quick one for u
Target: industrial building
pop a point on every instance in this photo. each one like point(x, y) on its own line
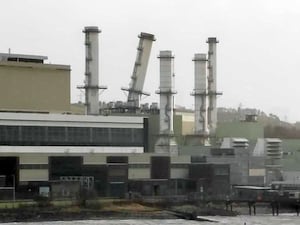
point(122, 147)
point(38, 150)
point(28, 84)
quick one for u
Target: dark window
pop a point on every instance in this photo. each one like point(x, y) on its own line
point(70, 136)
point(64, 166)
point(138, 136)
point(79, 135)
point(56, 135)
point(9, 134)
point(33, 135)
point(100, 136)
point(160, 167)
point(121, 136)
point(117, 159)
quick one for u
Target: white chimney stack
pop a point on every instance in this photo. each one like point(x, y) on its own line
point(200, 93)
point(166, 142)
point(136, 85)
point(212, 84)
point(92, 70)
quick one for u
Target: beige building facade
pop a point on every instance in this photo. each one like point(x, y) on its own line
point(27, 84)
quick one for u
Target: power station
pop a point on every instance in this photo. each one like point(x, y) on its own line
point(119, 147)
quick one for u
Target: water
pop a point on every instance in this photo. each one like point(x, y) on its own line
point(283, 219)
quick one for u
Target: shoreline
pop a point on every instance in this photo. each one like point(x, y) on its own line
point(109, 211)
point(119, 210)
point(39, 216)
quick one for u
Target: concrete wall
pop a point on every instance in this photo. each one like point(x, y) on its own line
point(139, 173)
point(182, 159)
point(248, 130)
point(33, 175)
point(34, 87)
point(188, 121)
point(94, 159)
point(33, 159)
point(291, 154)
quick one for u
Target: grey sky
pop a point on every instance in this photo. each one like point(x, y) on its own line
point(258, 53)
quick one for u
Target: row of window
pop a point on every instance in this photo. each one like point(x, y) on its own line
point(70, 136)
point(45, 166)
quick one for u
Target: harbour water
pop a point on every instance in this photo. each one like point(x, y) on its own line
point(283, 219)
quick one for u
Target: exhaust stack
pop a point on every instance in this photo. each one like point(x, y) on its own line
point(212, 84)
point(136, 85)
point(166, 142)
point(200, 93)
point(91, 70)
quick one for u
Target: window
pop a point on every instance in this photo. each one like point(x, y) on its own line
point(9, 134)
point(100, 136)
point(121, 136)
point(56, 135)
point(70, 136)
point(33, 135)
point(138, 136)
point(79, 135)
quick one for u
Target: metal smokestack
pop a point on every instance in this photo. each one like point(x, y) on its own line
point(200, 93)
point(212, 84)
point(166, 142)
point(92, 70)
point(136, 85)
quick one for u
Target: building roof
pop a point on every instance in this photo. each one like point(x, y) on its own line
point(5, 56)
point(42, 119)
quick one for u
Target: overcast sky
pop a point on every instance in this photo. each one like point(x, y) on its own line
point(257, 56)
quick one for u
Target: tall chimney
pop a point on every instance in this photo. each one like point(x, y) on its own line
point(212, 84)
point(92, 70)
point(200, 93)
point(140, 68)
point(166, 142)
